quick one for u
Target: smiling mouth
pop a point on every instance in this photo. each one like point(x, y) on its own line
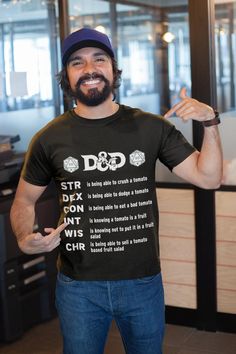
point(91, 82)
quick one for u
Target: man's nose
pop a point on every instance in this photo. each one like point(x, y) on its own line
point(89, 67)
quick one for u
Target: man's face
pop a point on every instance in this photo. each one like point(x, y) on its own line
point(90, 75)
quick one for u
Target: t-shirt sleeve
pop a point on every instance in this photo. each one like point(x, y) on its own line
point(36, 169)
point(175, 148)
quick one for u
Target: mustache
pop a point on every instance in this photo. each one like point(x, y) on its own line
point(92, 76)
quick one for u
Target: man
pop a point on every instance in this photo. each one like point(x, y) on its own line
point(102, 157)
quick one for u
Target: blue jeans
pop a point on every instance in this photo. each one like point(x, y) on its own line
point(86, 309)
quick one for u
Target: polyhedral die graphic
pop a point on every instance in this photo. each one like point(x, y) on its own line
point(137, 158)
point(71, 164)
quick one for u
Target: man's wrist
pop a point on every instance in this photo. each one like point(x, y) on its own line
point(213, 121)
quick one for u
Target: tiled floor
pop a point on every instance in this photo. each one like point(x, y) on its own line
point(45, 339)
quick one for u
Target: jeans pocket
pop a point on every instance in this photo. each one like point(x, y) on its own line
point(148, 279)
point(64, 278)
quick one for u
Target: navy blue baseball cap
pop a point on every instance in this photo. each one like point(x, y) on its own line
point(85, 37)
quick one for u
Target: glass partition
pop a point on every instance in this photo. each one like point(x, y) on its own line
point(137, 45)
point(225, 34)
point(176, 51)
point(29, 94)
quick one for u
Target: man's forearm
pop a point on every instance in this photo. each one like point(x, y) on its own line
point(210, 160)
point(22, 219)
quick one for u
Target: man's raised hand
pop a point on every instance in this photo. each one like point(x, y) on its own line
point(189, 108)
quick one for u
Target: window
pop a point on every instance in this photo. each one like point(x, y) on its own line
point(29, 94)
point(225, 39)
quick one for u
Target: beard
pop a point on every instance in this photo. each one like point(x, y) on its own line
point(93, 97)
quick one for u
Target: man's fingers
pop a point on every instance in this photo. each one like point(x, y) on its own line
point(37, 236)
point(183, 93)
point(174, 109)
point(59, 229)
point(38, 243)
point(48, 229)
point(169, 113)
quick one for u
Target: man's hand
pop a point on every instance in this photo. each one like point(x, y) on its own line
point(37, 243)
point(189, 108)
point(204, 168)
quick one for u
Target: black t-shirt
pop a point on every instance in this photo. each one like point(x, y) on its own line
point(104, 170)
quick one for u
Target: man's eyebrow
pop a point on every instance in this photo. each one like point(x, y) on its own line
point(96, 54)
point(77, 57)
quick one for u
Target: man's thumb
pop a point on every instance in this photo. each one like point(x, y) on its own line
point(183, 93)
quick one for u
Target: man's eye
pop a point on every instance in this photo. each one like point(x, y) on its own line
point(76, 62)
point(100, 59)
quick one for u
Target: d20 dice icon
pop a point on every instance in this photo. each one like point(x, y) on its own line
point(71, 164)
point(137, 158)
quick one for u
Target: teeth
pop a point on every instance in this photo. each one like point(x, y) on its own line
point(91, 82)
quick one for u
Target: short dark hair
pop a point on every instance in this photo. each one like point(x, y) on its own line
point(64, 83)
